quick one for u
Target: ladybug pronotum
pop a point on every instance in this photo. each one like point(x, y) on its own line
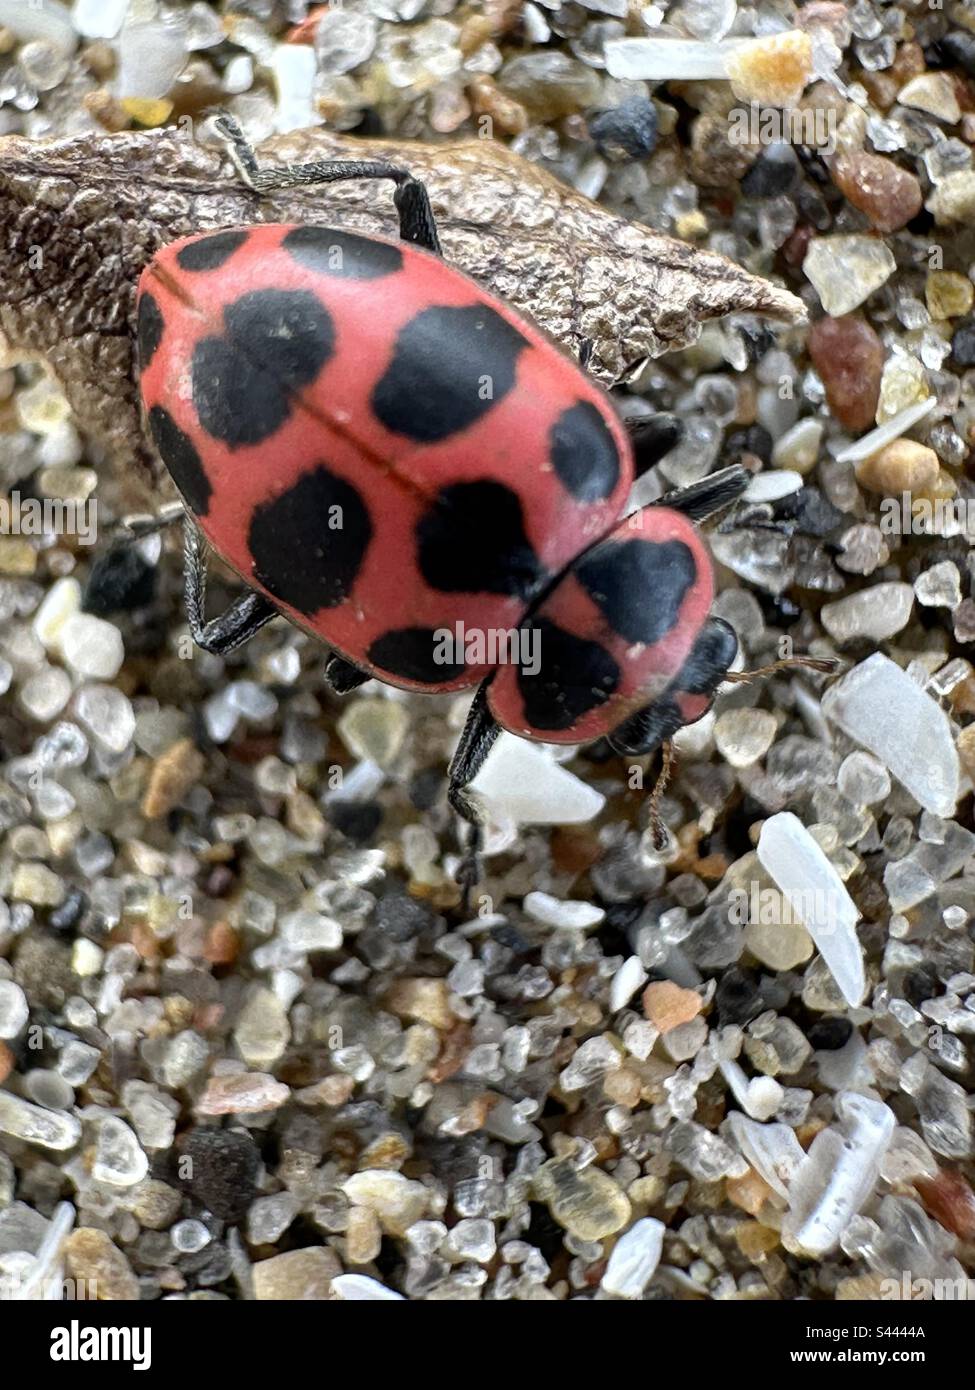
point(384, 452)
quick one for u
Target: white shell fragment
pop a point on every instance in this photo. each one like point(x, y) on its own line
point(525, 784)
point(885, 711)
point(657, 60)
point(558, 912)
point(837, 1175)
point(773, 1150)
point(361, 1288)
point(627, 980)
point(886, 433)
point(817, 897)
point(634, 1259)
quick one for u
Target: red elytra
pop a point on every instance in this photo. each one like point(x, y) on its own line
point(519, 537)
point(647, 663)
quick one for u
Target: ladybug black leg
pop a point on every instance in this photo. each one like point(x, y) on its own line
point(246, 615)
point(702, 499)
point(416, 220)
point(652, 438)
point(476, 742)
point(342, 676)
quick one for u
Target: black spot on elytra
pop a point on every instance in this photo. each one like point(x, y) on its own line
point(472, 540)
point(584, 453)
point(180, 457)
point(309, 543)
point(209, 252)
point(150, 329)
point(352, 257)
point(276, 342)
point(638, 585)
point(574, 676)
point(411, 652)
point(449, 367)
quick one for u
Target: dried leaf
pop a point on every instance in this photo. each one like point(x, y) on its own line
point(82, 216)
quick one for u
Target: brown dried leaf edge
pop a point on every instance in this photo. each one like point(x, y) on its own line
point(82, 216)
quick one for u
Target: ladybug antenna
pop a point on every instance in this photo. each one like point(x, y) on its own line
point(827, 665)
point(658, 830)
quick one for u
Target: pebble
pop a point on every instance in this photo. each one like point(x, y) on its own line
point(344, 39)
point(933, 92)
point(171, 777)
point(939, 586)
point(953, 200)
point(772, 71)
point(44, 694)
point(585, 1201)
point(627, 131)
point(48, 1129)
point(549, 84)
point(817, 897)
point(903, 466)
point(876, 613)
point(244, 1093)
point(948, 295)
point(151, 55)
point(846, 269)
point(92, 647)
point(119, 1158)
point(777, 939)
point(667, 1005)
point(374, 730)
point(37, 884)
point(220, 1170)
point(61, 602)
point(92, 1258)
point(119, 580)
point(883, 709)
point(743, 736)
point(262, 1031)
point(889, 195)
point(107, 714)
point(775, 172)
point(963, 344)
point(397, 1201)
point(798, 449)
point(296, 1276)
point(422, 1001)
point(634, 1260)
point(862, 779)
point(849, 357)
point(14, 1009)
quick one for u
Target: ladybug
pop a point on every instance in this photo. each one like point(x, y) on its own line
point(387, 454)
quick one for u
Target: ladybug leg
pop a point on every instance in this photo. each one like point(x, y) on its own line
point(476, 742)
point(416, 220)
point(652, 438)
point(688, 697)
point(702, 499)
point(342, 676)
point(246, 615)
